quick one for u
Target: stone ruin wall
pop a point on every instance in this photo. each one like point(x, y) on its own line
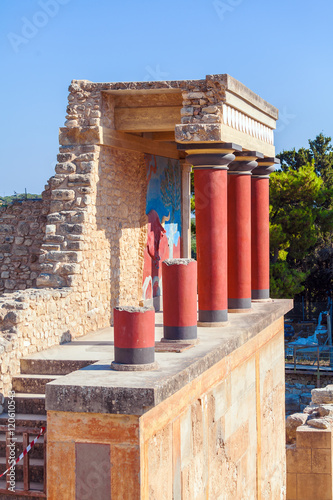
point(22, 229)
point(91, 242)
point(309, 449)
point(86, 262)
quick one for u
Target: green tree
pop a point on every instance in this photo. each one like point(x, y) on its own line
point(301, 220)
point(320, 151)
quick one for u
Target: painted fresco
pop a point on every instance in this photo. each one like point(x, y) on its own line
point(163, 208)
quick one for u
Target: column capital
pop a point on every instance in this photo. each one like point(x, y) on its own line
point(210, 155)
point(244, 162)
point(265, 167)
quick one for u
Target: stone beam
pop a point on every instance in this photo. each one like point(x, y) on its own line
point(147, 119)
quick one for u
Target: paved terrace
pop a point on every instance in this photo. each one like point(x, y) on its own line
point(97, 388)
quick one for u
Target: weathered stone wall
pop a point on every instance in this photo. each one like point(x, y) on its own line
point(22, 229)
point(121, 217)
point(309, 450)
point(89, 236)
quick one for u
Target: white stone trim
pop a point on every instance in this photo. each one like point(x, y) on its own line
point(244, 123)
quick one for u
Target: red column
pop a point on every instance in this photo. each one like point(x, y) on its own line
point(134, 338)
point(239, 231)
point(260, 227)
point(179, 277)
point(210, 163)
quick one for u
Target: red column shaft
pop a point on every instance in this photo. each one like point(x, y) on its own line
point(239, 241)
point(134, 335)
point(260, 237)
point(210, 186)
point(179, 299)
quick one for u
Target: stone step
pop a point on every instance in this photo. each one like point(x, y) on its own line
point(36, 487)
point(28, 403)
point(36, 452)
point(32, 383)
point(28, 420)
point(36, 366)
point(36, 469)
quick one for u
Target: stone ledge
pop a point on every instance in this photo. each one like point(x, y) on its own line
point(98, 389)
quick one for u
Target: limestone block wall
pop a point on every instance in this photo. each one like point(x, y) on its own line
point(22, 229)
point(90, 240)
point(309, 450)
point(309, 465)
point(121, 217)
point(220, 436)
point(33, 320)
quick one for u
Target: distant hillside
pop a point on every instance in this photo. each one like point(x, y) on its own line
point(7, 200)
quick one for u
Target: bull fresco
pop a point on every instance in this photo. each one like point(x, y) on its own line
point(163, 208)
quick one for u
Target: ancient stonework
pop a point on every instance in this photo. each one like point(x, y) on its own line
point(22, 229)
point(85, 245)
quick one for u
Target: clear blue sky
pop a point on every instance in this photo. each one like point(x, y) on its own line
point(282, 50)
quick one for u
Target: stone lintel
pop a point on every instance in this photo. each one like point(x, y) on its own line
point(78, 135)
point(97, 389)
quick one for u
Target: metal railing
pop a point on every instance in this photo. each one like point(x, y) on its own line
point(310, 359)
point(26, 491)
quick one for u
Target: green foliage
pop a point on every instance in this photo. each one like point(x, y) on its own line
point(193, 239)
point(298, 212)
point(7, 200)
point(301, 221)
point(320, 152)
point(285, 281)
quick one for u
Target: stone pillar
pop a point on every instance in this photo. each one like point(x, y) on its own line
point(260, 227)
point(210, 163)
point(134, 338)
point(180, 300)
point(185, 250)
point(239, 230)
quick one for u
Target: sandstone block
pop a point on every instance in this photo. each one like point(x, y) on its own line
point(79, 179)
point(187, 111)
point(65, 157)
point(57, 180)
point(322, 396)
point(292, 422)
point(193, 95)
point(78, 217)
point(72, 228)
point(55, 217)
point(50, 229)
point(63, 194)
point(325, 410)
point(50, 280)
point(54, 238)
point(65, 168)
point(210, 109)
point(55, 256)
point(78, 135)
point(321, 423)
point(70, 269)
